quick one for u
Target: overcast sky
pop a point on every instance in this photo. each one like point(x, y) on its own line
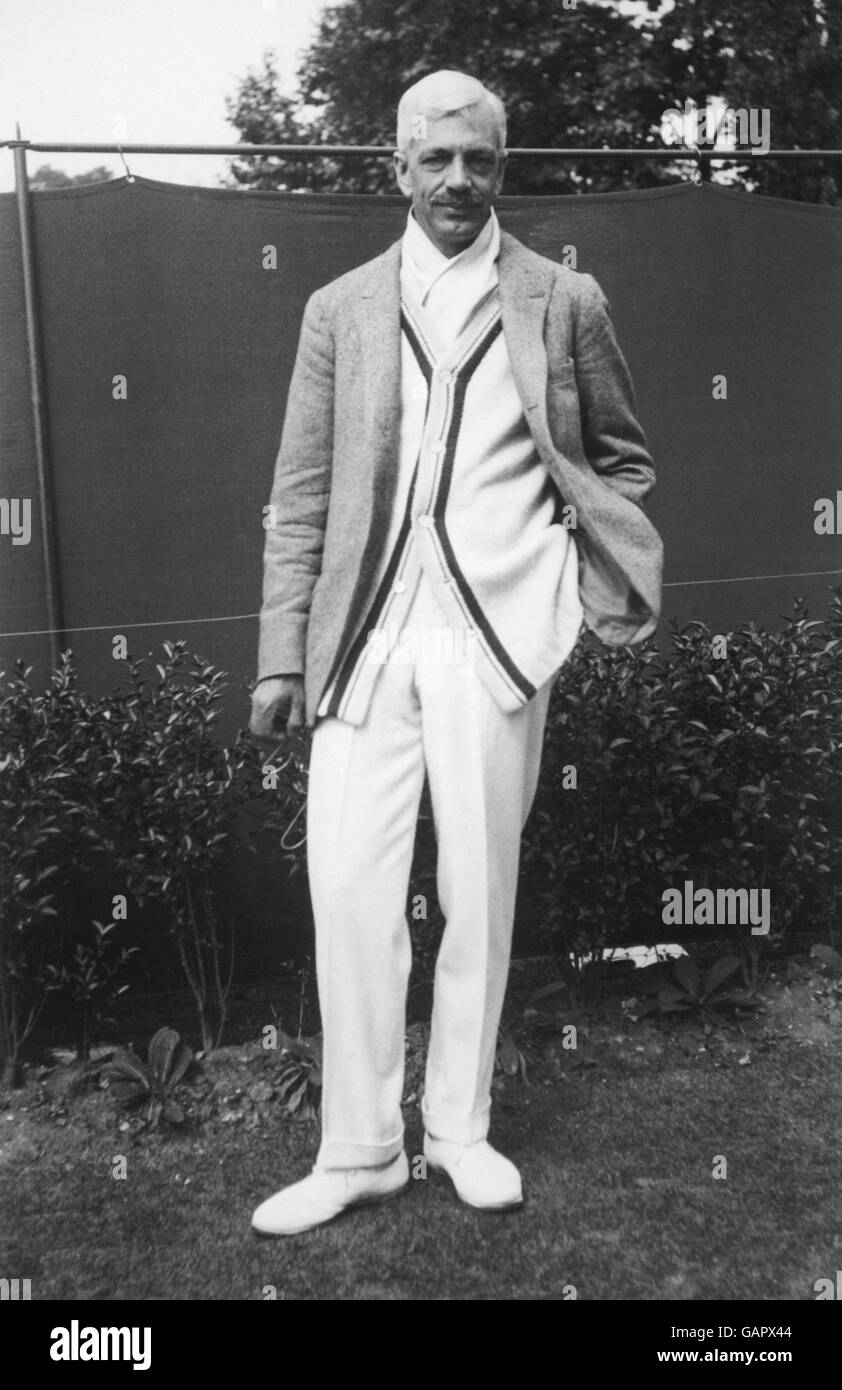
point(69, 69)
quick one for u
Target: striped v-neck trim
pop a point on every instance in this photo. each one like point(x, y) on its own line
point(447, 379)
point(461, 365)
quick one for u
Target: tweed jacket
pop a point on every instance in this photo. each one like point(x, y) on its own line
point(336, 468)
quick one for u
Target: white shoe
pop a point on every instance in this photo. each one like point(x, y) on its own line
point(325, 1193)
point(482, 1177)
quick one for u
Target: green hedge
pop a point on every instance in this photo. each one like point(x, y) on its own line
point(717, 761)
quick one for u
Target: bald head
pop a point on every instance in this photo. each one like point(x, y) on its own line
point(446, 93)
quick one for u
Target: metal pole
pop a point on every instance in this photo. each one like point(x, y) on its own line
point(656, 153)
point(36, 392)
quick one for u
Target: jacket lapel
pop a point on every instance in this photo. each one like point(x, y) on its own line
point(524, 296)
point(377, 316)
point(377, 319)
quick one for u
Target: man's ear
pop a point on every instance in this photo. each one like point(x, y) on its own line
point(501, 173)
point(400, 163)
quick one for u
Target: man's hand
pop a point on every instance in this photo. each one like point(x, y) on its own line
point(277, 708)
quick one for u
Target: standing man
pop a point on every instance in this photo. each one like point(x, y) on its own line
point(459, 486)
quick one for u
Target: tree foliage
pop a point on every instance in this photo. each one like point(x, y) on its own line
point(759, 53)
point(572, 74)
point(46, 176)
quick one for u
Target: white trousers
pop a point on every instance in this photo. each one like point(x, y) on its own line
point(365, 787)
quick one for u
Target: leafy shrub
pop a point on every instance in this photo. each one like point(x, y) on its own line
point(299, 1083)
point(722, 771)
point(43, 828)
point(519, 1032)
point(134, 784)
point(707, 995)
point(154, 1083)
point(89, 979)
point(168, 793)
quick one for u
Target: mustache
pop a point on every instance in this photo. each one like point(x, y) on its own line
point(457, 202)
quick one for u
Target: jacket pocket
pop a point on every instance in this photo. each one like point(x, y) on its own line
point(563, 415)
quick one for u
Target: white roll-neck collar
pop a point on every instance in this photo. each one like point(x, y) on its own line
point(428, 264)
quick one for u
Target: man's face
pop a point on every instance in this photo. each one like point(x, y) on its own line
point(452, 174)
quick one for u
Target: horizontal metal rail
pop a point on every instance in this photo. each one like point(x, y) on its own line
point(668, 153)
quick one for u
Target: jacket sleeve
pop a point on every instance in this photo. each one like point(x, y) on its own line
point(615, 444)
point(295, 526)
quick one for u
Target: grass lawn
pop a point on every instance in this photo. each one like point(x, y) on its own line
point(616, 1142)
